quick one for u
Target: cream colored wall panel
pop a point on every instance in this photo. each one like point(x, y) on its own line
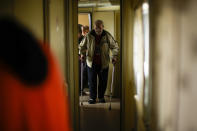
point(165, 40)
point(30, 13)
point(188, 67)
point(173, 38)
point(57, 31)
point(107, 18)
point(83, 19)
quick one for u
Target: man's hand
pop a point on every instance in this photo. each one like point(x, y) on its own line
point(82, 58)
point(114, 61)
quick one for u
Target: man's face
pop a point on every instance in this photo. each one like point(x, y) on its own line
point(98, 28)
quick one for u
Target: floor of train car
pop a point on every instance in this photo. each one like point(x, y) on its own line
point(98, 117)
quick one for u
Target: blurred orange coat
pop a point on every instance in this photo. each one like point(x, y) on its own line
point(34, 107)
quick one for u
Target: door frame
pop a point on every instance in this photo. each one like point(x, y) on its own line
point(71, 43)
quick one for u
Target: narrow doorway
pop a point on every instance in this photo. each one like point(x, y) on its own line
point(100, 116)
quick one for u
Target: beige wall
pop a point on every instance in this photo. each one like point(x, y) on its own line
point(57, 31)
point(173, 38)
point(63, 41)
point(165, 46)
point(29, 12)
point(107, 18)
point(187, 113)
point(83, 19)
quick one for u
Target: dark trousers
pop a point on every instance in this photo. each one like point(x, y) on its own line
point(92, 81)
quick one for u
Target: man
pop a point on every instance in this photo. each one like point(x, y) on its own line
point(95, 47)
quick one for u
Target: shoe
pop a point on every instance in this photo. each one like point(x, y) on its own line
point(102, 100)
point(91, 101)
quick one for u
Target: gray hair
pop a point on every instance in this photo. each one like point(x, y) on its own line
point(99, 22)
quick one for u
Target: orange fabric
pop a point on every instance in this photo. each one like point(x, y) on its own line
point(44, 107)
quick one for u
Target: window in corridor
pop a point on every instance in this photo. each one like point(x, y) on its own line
point(145, 11)
point(138, 53)
point(141, 57)
point(141, 52)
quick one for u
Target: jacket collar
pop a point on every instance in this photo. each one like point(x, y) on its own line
point(92, 32)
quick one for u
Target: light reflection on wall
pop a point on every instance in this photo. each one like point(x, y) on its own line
point(138, 53)
point(145, 11)
point(147, 75)
point(141, 57)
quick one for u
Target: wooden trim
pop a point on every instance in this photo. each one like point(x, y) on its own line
point(46, 20)
point(71, 20)
point(122, 103)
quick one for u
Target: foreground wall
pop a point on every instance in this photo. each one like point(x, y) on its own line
point(173, 38)
point(28, 12)
point(128, 88)
point(53, 21)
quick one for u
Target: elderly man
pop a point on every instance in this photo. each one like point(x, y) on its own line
point(95, 47)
